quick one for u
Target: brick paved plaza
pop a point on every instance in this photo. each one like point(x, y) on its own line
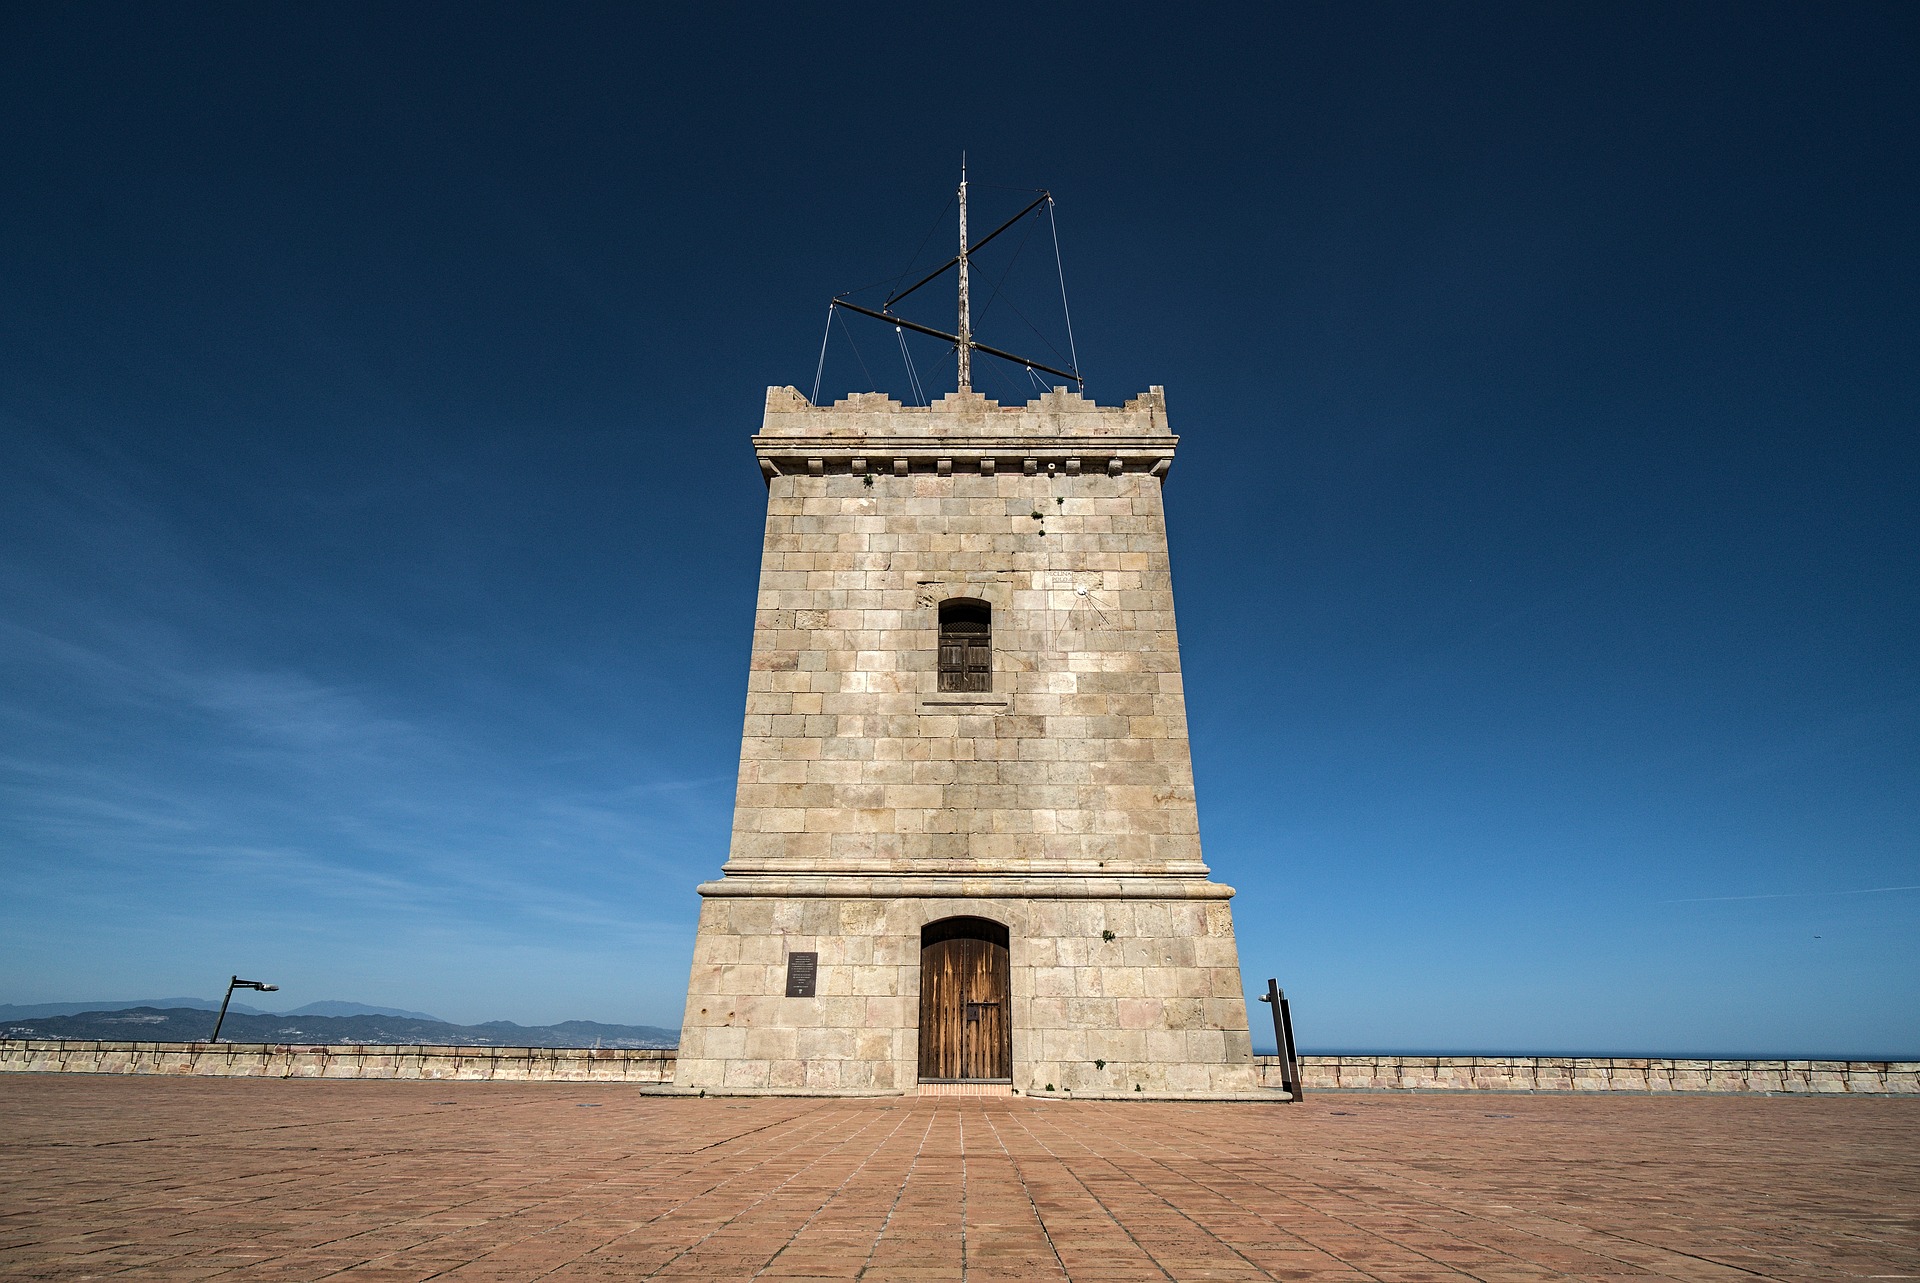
point(271, 1179)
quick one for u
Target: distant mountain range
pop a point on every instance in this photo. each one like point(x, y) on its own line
point(333, 1008)
point(329, 1008)
point(153, 1023)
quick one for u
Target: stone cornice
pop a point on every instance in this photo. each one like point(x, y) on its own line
point(1059, 432)
point(996, 887)
point(879, 456)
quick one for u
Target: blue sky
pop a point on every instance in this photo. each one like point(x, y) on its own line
point(378, 528)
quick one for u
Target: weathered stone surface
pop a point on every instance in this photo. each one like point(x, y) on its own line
point(270, 1060)
point(1104, 1006)
point(652, 1066)
point(1059, 803)
point(1598, 1074)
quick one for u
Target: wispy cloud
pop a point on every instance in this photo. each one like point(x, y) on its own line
point(1788, 895)
point(161, 761)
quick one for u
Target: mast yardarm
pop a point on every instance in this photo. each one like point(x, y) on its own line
point(964, 344)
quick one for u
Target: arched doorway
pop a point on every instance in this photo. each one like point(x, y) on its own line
point(966, 1033)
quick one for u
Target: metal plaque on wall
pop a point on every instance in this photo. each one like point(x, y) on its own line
point(802, 968)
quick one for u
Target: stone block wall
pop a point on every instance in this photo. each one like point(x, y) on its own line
point(1597, 1074)
point(280, 1060)
point(852, 759)
point(1059, 802)
point(1160, 1003)
point(650, 1067)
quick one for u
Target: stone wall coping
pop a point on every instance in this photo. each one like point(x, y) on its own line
point(996, 886)
point(1616, 1062)
point(668, 1053)
point(341, 1049)
point(413, 1062)
point(1653, 1075)
point(650, 1068)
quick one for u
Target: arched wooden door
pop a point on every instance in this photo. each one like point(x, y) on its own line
point(966, 1033)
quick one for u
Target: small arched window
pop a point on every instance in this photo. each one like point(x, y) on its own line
point(966, 645)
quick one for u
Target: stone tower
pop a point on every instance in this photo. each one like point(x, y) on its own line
point(965, 852)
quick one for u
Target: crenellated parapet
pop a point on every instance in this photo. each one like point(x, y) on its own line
point(870, 433)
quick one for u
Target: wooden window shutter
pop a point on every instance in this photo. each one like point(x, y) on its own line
point(966, 645)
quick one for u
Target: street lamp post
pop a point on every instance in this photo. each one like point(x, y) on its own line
point(236, 983)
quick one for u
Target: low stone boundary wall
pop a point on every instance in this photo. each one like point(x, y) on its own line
point(269, 1060)
point(1595, 1074)
point(1323, 1073)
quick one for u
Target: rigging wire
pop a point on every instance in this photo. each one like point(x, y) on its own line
point(941, 218)
point(913, 377)
point(894, 282)
point(1008, 271)
point(919, 387)
point(1073, 360)
point(871, 381)
point(821, 367)
point(1061, 269)
point(1015, 392)
point(1037, 334)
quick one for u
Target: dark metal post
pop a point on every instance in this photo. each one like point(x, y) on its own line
point(1283, 1039)
point(1294, 1082)
point(237, 983)
point(223, 1009)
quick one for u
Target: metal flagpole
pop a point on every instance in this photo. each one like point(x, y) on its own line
point(966, 321)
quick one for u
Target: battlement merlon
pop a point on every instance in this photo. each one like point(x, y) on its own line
point(869, 432)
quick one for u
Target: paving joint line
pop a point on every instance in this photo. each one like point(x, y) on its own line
point(828, 1200)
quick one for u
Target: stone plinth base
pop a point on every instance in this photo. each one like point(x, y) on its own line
point(966, 1089)
point(1116, 984)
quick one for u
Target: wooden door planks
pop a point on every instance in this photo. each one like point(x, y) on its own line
point(965, 1033)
